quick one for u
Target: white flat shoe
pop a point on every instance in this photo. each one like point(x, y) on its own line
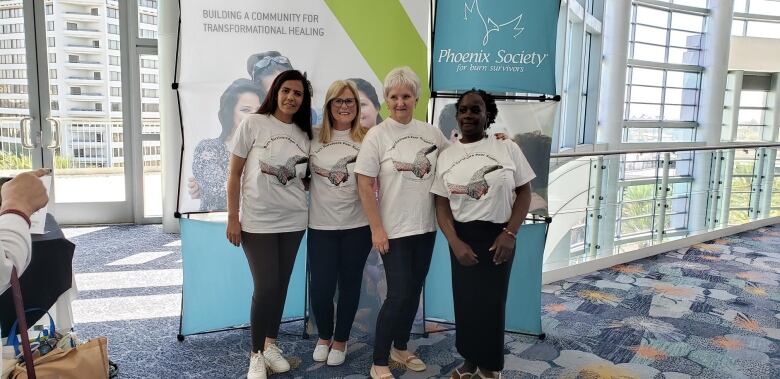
point(320, 353)
point(478, 374)
point(336, 357)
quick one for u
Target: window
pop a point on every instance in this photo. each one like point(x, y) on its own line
point(112, 13)
point(75, 90)
point(116, 91)
point(71, 26)
point(116, 107)
point(52, 73)
point(99, 107)
point(148, 63)
point(147, 19)
point(146, 33)
point(148, 78)
point(149, 92)
point(12, 44)
point(53, 90)
point(52, 58)
point(55, 105)
point(73, 59)
point(113, 44)
point(115, 76)
point(49, 8)
point(148, 3)
point(13, 88)
point(113, 60)
point(664, 76)
point(150, 107)
point(113, 29)
point(13, 74)
point(50, 41)
point(12, 28)
point(96, 75)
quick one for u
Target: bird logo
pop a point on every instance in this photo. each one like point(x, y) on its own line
point(338, 174)
point(477, 186)
point(421, 165)
point(490, 25)
point(284, 173)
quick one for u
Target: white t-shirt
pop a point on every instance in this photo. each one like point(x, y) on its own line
point(273, 199)
point(480, 178)
point(403, 156)
point(335, 204)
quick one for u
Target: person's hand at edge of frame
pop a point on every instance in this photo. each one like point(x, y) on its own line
point(234, 231)
point(464, 254)
point(25, 192)
point(379, 241)
point(503, 248)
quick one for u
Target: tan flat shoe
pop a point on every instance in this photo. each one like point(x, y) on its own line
point(375, 375)
point(458, 375)
point(412, 362)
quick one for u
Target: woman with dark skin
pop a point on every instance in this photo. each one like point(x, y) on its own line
point(482, 190)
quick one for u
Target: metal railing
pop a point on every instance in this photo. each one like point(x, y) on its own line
point(610, 202)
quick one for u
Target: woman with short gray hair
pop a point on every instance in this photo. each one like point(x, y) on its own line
point(401, 152)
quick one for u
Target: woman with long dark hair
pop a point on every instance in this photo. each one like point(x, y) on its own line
point(267, 168)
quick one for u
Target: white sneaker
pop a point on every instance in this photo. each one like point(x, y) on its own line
point(256, 367)
point(320, 353)
point(274, 359)
point(336, 357)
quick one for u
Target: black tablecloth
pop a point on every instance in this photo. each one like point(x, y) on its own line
point(48, 276)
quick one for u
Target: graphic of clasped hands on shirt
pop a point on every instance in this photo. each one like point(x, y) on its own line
point(415, 157)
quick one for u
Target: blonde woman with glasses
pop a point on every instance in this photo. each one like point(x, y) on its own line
point(339, 238)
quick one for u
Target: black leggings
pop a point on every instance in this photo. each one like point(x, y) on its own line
point(406, 265)
point(479, 294)
point(336, 257)
point(271, 257)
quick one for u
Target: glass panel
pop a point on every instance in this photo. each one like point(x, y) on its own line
point(749, 133)
point(14, 94)
point(644, 112)
point(150, 98)
point(740, 6)
point(647, 76)
point(752, 99)
point(681, 96)
point(679, 113)
point(650, 34)
point(646, 94)
point(650, 16)
point(642, 135)
point(763, 29)
point(683, 56)
point(685, 21)
point(765, 7)
point(684, 39)
point(152, 179)
point(676, 135)
point(89, 162)
point(692, 3)
point(738, 28)
point(682, 79)
point(649, 52)
point(751, 117)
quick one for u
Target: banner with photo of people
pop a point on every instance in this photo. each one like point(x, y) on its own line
point(501, 45)
point(231, 51)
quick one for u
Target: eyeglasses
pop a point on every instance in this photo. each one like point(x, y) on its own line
point(348, 102)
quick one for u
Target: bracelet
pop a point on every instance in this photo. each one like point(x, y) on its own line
point(18, 213)
point(514, 236)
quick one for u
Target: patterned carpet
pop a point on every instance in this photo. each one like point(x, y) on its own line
point(709, 311)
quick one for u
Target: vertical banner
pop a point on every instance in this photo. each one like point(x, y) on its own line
point(231, 51)
point(496, 45)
